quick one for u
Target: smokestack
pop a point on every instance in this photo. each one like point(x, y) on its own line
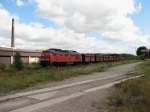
point(12, 34)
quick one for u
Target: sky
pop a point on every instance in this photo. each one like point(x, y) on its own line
point(88, 26)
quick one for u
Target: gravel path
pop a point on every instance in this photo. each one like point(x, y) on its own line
point(79, 94)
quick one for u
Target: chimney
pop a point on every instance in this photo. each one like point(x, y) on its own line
point(12, 34)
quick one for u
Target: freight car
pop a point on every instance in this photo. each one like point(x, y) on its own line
point(61, 57)
point(106, 58)
point(88, 58)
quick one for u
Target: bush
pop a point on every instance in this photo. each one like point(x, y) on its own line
point(18, 62)
point(141, 57)
point(2, 66)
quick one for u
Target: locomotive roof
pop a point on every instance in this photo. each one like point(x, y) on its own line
point(53, 50)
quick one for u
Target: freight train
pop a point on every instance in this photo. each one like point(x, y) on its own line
point(62, 57)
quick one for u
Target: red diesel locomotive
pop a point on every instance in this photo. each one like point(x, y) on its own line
point(58, 56)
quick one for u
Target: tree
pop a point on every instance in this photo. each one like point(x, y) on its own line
point(17, 61)
point(140, 51)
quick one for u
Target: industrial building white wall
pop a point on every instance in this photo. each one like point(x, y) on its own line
point(33, 59)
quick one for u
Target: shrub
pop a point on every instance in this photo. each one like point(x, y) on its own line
point(2, 66)
point(141, 57)
point(18, 62)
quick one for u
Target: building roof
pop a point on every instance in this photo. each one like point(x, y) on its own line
point(24, 52)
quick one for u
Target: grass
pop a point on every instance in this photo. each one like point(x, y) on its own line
point(11, 79)
point(132, 95)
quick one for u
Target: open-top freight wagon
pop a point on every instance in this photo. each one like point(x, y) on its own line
point(62, 57)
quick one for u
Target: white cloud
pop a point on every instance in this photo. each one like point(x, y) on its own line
point(89, 15)
point(37, 36)
point(139, 7)
point(102, 16)
point(21, 2)
point(110, 19)
point(49, 38)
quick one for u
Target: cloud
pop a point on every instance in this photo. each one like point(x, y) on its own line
point(103, 16)
point(110, 19)
point(50, 38)
point(37, 36)
point(21, 2)
point(89, 15)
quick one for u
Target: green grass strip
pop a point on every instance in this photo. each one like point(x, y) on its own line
point(31, 75)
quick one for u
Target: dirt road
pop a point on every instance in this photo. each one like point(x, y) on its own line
point(80, 94)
